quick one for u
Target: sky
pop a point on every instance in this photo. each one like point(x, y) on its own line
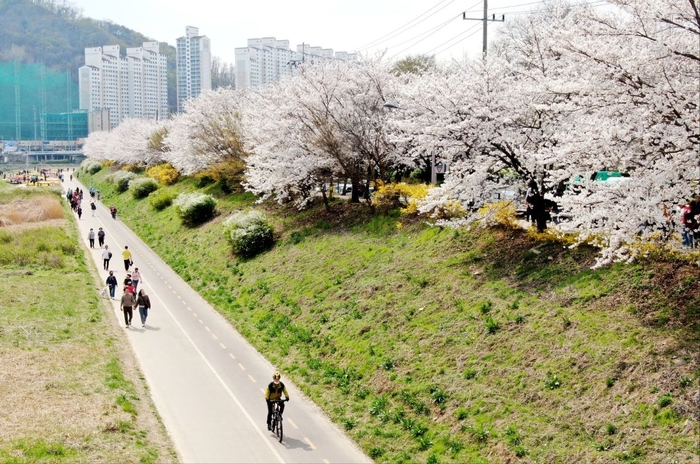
point(396, 27)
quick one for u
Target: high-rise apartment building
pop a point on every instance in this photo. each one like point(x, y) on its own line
point(193, 66)
point(135, 86)
point(266, 60)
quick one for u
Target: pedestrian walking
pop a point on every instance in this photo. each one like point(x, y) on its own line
point(144, 304)
point(136, 278)
point(126, 254)
point(129, 285)
point(93, 208)
point(91, 238)
point(127, 307)
point(111, 284)
point(106, 256)
point(79, 210)
point(101, 237)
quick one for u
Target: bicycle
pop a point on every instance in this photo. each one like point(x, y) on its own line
point(276, 420)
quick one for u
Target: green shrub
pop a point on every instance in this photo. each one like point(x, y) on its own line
point(665, 400)
point(121, 180)
point(204, 180)
point(491, 325)
point(249, 233)
point(160, 200)
point(141, 188)
point(551, 382)
point(90, 166)
point(195, 208)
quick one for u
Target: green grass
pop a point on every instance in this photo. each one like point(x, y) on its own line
point(436, 346)
point(64, 373)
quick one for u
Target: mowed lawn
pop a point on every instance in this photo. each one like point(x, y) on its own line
point(70, 390)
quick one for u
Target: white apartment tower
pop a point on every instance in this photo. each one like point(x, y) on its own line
point(193, 66)
point(267, 59)
point(135, 86)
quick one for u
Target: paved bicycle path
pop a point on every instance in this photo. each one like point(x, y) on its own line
point(205, 379)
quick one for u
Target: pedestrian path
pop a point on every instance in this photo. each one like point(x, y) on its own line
point(205, 379)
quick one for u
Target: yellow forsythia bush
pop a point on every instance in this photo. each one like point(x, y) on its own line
point(164, 174)
point(449, 210)
point(501, 213)
point(399, 195)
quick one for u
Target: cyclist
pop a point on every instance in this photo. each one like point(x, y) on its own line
point(274, 392)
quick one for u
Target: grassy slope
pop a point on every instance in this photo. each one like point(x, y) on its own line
point(390, 332)
point(68, 388)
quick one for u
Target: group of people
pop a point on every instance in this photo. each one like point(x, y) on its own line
point(75, 197)
point(690, 222)
point(130, 298)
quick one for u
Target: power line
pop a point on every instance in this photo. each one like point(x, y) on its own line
point(441, 26)
point(396, 32)
point(453, 38)
point(435, 29)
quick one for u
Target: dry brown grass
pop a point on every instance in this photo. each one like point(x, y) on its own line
point(29, 210)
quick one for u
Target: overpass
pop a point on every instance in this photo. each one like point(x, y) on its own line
point(39, 157)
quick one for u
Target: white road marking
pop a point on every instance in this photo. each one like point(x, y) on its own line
point(251, 378)
point(222, 345)
point(241, 366)
point(201, 321)
point(313, 447)
point(232, 356)
point(208, 329)
point(215, 337)
point(293, 424)
point(223, 384)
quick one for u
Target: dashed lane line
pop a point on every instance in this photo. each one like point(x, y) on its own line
point(293, 424)
point(232, 356)
point(313, 447)
point(222, 346)
point(241, 366)
point(201, 321)
point(221, 380)
point(208, 329)
point(252, 379)
point(215, 337)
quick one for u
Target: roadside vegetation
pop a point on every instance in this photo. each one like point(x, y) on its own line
point(443, 345)
point(69, 387)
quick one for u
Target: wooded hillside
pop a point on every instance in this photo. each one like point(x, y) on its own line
point(56, 33)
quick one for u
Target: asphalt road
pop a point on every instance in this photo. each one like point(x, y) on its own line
point(205, 379)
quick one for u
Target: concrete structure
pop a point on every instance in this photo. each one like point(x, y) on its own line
point(193, 66)
point(265, 60)
point(135, 86)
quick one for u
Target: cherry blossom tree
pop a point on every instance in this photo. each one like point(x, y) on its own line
point(207, 133)
point(128, 143)
point(326, 122)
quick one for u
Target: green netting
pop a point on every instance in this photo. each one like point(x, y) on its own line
point(41, 92)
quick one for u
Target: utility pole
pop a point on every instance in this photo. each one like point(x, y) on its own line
point(485, 20)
